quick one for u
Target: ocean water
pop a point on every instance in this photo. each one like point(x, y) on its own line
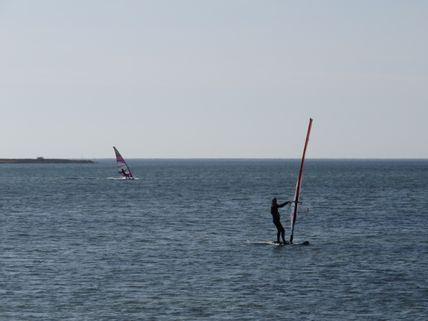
point(185, 241)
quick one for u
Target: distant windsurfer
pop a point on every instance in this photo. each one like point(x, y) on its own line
point(124, 173)
point(277, 219)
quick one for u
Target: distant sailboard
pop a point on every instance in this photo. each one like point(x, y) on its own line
point(123, 167)
point(273, 243)
point(295, 206)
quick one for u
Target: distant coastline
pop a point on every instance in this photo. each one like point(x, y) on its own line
point(42, 160)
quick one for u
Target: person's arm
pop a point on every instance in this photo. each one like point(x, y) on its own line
point(285, 203)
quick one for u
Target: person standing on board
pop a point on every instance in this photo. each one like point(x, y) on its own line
point(277, 219)
point(124, 173)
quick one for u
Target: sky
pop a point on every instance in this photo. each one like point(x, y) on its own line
point(213, 78)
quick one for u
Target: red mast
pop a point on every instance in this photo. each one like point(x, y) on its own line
point(299, 183)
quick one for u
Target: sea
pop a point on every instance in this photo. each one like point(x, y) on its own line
point(192, 240)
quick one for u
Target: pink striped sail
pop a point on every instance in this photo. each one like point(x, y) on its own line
point(299, 184)
point(123, 168)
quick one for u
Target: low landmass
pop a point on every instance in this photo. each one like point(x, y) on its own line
point(42, 160)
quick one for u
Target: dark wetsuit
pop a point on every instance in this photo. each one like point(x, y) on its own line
point(277, 219)
point(124, 173)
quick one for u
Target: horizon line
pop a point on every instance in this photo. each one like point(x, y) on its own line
point(222, 158)
point(263, 158)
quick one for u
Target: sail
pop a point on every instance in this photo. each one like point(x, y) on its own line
point(122, 166)
point(295, 206)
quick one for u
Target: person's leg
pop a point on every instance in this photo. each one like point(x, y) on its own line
point(278, 228)
point(282, 230)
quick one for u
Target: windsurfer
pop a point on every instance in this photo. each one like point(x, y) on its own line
point(123, 168)
point(277, 219)
point(124, 173)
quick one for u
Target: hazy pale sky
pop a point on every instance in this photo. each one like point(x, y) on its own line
point(213, 78)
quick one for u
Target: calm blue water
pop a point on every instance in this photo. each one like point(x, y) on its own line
point(180, 243)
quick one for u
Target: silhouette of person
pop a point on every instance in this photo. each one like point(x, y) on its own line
point(124, 173)
point(277, 218)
